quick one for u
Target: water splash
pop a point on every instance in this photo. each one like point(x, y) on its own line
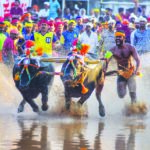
point(139, 108)
point(10, 96)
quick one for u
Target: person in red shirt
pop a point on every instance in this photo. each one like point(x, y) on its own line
point(9, 51)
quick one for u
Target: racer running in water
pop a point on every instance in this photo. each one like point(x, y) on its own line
point(123, 52)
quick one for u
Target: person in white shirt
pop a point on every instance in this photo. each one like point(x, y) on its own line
point(142, 37)
point(137, 26)
point(90, 38)
point(44, 13)
point(82, 13)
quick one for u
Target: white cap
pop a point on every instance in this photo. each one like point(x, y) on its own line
point(148, 25)
point(89, 24)
point(133, 16)
point(131, 25)
point(46, 3)
point(136, 20)
point(76, 7)
point(111, 21)
point(103, 9)
point(142, 19)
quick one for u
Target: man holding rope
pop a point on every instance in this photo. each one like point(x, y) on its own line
point(123, 53)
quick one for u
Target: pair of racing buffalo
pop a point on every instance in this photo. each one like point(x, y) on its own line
point(32, 78)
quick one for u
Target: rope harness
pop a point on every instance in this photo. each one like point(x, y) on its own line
point(74, 68)
point(78, 78)
point(18, 75)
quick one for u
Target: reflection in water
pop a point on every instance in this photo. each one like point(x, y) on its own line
point(97, 142)
point(133, 130)
point(74, 130)
point(67, 136)
point(71, 136)
point(81, 142)
point(27, 141)
point(122, 144)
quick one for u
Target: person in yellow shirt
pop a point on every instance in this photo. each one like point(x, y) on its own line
point(59, 26)
point(2, 38)
point(120, 16)
point(7, 28)
point(44, 39)
point(59, 30)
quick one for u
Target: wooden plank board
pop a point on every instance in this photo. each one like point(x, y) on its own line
point(63, 59)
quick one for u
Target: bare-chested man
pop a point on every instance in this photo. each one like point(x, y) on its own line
point(123, 52)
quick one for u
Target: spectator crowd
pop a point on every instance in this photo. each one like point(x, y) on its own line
point(55, 34)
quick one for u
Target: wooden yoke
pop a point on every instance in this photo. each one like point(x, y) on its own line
point(63, 59)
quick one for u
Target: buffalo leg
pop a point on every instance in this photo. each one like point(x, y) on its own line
point(32, 104)
point(83, 99)
point(67, 101)
point(21, 106)
point(44, 99)
point(98, 96)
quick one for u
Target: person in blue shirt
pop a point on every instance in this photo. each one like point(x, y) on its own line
point(141, 37)
point(54, 8)
point(79, 26)
point(27, 32)
point(67, 14)
point(69, 35)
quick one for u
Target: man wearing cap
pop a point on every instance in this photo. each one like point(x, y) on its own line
point(27, 33)
point(120, 16)
point(137, 26)
point(70, 35)
point(7, 17)
point(59, 26)
point(82, 13)
point(7, 28)
point(127, 31)
point(44, 13)
point(51, 26)
point(79, 26)
point(91, 38)
point(9, 51)
point(59, 30)
point(14, 24)
point(67, 14)
point(2, 38)
point(141, 38)
point(96, 13)
point(107, 36)
point(26, 17)
point(123, 54)
point(44, 39)
point(108, 15)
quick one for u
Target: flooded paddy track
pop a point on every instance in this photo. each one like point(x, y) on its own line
point(53, 130)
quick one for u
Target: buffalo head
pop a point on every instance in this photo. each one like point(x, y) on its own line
point(27, 69)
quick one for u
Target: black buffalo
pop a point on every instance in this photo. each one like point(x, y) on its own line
point(31, 79)
point(93, 80)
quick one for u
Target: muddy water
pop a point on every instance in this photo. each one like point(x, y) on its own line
point(54, 130)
